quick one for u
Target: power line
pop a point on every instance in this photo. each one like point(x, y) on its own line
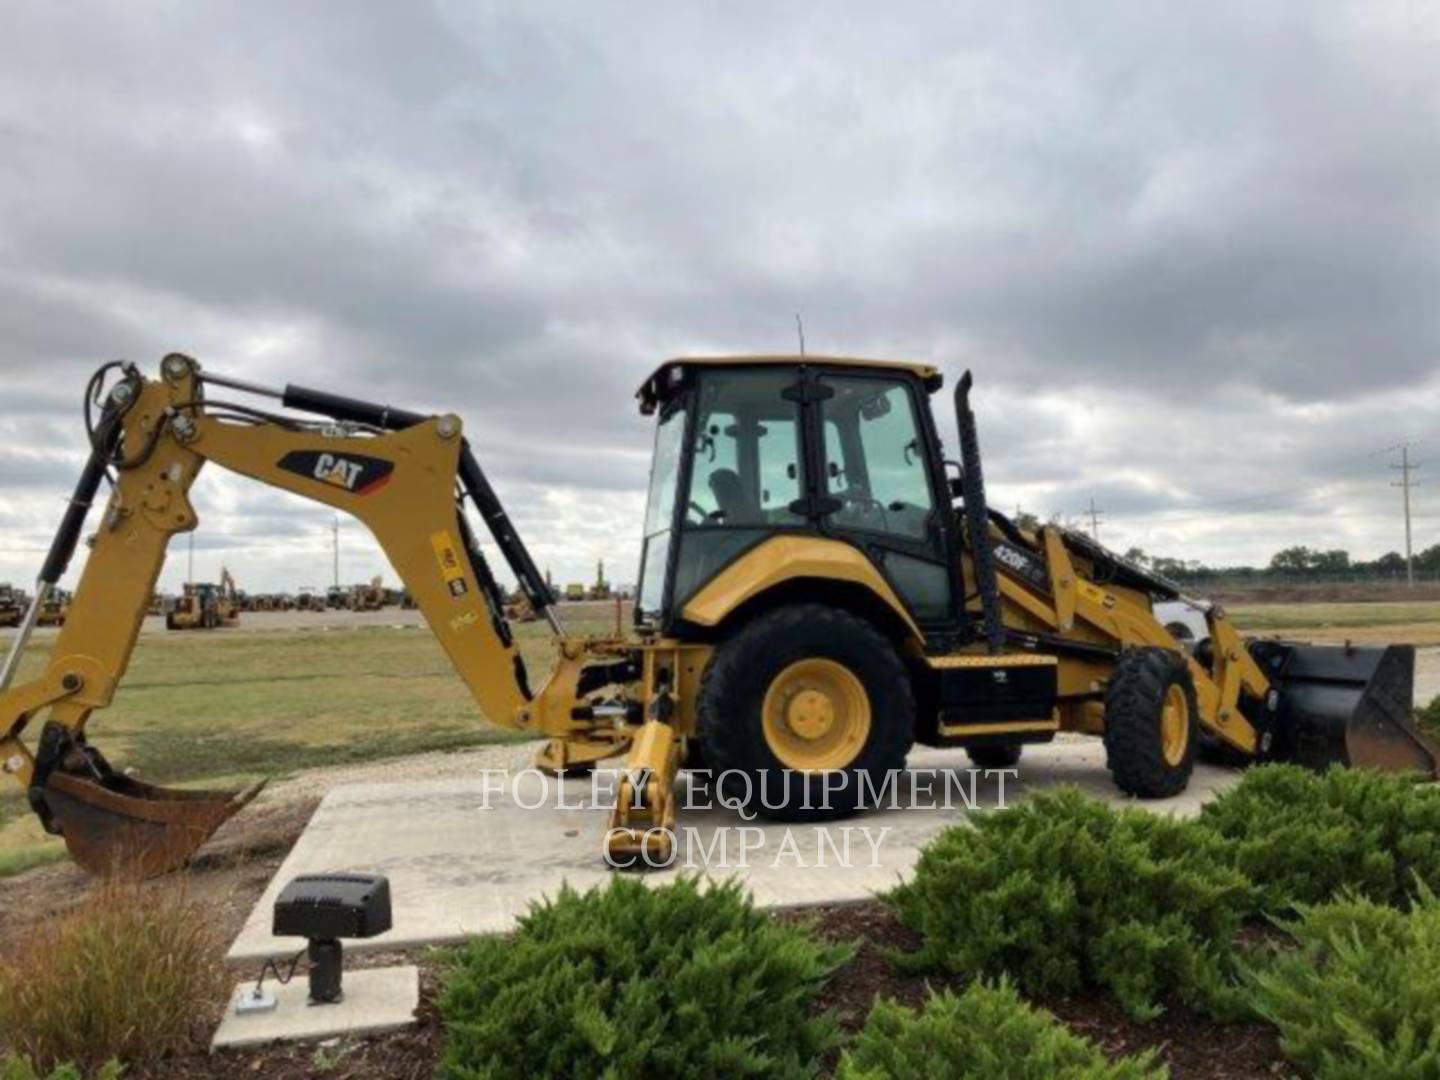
point(1405, 468)
point(1411, 442)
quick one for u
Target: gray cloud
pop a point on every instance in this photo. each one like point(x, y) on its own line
point(1191, 254)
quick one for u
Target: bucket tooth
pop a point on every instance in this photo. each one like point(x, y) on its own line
point(123, 827)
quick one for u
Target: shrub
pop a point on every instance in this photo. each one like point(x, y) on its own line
point(1357, 998)
point(1428, 718)
point(122, 975)
point(1063, 892)
point(627, 980)
point(1301, 836)
point(985, 1032)
point(13, 1067)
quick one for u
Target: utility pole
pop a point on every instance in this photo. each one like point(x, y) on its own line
point(1094, 520)
point(335, 538)
point(190, 571)
point(1405, 468)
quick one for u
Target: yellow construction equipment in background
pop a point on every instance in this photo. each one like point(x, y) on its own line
point(12, 605)
point(816, 595)
point(601, 589)
point(55, 609)
point(203, 606)
point(368, 597)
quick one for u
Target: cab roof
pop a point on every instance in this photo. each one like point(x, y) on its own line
point(652, 390)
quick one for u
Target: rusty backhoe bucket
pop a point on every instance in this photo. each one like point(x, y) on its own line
point(116, 825)
point(1346, 705)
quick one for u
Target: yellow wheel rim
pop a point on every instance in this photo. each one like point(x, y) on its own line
point(816, 715)
point(1174, 726)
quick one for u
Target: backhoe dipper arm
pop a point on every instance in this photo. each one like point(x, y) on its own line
point(400, 480)
point(472, 477)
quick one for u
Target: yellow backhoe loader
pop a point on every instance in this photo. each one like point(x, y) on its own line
point(204, 606)
point(55, 609)
point(368, 597)
point(816, 594)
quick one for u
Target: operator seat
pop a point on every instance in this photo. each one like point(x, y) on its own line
point(729, 492)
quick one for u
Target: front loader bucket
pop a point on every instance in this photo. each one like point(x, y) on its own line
point(123, 827)
point(1345, 705)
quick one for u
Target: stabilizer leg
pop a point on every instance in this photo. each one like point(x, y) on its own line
point(642, 827)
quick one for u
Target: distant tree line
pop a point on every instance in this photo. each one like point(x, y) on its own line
point(1297, 563)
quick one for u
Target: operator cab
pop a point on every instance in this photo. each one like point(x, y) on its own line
point(748, 448)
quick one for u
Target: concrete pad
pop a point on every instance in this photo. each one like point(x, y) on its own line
point(376, 999)
point(457, 868)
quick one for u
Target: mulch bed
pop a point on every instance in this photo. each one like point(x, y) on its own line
point(409, 1054)
point(1190, 1044)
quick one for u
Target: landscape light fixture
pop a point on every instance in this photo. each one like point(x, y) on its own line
point(324, 908)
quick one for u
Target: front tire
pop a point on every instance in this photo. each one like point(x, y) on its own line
point(1150, 727)
point(804, 712)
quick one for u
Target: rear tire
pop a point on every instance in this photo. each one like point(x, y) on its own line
point(1150, 729)
point(994, 757)
point(742, 682)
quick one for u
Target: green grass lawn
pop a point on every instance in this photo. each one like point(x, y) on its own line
point(227, 707)
point(1265, 617)
point(1416, 622)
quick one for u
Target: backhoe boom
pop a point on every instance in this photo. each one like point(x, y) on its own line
point(404, 475)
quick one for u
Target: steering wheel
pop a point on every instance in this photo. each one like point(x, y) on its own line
point(701, 515)
point(862, 500)
point(865, 505)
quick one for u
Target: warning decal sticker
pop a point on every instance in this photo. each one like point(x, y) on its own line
point(447, 553)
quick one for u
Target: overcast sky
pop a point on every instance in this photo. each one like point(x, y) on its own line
point(1190, 251)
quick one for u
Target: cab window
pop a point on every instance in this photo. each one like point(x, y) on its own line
point(660, 508)
point(746, 470)
point(875, 458)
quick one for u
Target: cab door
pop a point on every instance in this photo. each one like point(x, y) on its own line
point(880, 486)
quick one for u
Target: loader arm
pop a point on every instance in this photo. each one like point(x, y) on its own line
point(404, 475)
point(1058, 591)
